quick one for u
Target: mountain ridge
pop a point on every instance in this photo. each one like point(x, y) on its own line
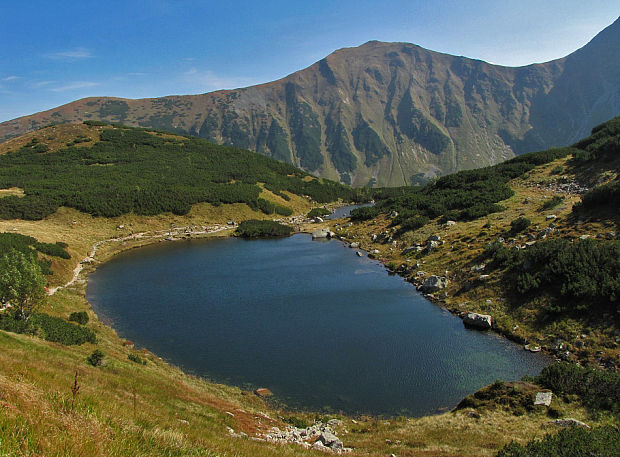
point(386, 113)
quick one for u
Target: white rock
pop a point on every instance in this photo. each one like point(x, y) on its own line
point(543, 398)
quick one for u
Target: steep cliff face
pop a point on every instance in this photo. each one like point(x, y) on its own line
point(387, 113)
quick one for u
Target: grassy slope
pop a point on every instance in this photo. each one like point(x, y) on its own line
point(463, 245)
point(174, 413)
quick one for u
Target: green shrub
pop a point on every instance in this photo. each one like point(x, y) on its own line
point(254, 229)
point(597, 389)
point(49, 328)
point(580, 276)
point(601, 197)
point(318, 212)
point(56, 250)
point(364, 213)
point(519, 224)
point(557, 170)
point(137, 359)
point(95, 123)
point(552, 202)
point(571, 442)
point(583, 275)
point(413, 223)
point(60, 331)
point(81, 317)
point(96, 358)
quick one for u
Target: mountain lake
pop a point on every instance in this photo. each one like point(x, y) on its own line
point(321, 327)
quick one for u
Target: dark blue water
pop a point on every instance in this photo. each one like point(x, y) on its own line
point(345, 211)
point(319, 326)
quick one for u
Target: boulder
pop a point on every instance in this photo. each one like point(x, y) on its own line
point(434, 283)
point(543, 398)
point(330, 440)
point(319, 446)
point(263, 392)
point(434, 238)
point(450, 223)
point(321, 233)
point(408, 250)
point(354, 245)
point(569, 422)
point(481, 321)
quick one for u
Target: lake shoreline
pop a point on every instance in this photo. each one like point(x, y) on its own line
point(143, 239)
point(105, 255)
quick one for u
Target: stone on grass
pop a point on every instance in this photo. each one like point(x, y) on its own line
point(569, 422)
point(543, 398)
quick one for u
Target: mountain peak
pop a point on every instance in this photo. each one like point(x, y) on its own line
point(386, 113)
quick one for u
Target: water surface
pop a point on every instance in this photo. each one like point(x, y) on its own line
point(345, 211)
point(321, 327)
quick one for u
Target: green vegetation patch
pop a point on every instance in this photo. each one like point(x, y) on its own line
point(114, 108)
point(583, 275)
point(256, 229)
point(572, 442)
point(518, 397)
point(419, 128)
point(150, 175)
point(26, 244)
point(597, 389)
point(466, 195)
point(306, 133)
point(48, 327)
point(319, 212)
point(369, 142)
point(339, 147)
point(273, 142)
point(81, 317)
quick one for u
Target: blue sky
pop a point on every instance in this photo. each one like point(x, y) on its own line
point(54, 52)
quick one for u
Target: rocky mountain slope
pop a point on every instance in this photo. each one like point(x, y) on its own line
point(386, 113)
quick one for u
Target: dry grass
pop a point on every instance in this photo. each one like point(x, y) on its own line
point(55, 137)
point(16, 191)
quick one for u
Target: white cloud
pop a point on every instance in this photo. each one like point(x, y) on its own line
point(71, 54)
point(206, 80)
point(38, 84)
point(10, 78)
point(75, 85)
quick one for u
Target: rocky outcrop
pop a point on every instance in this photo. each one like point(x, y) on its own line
point(318, 436)
point(433, 284)
point(479, 321)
